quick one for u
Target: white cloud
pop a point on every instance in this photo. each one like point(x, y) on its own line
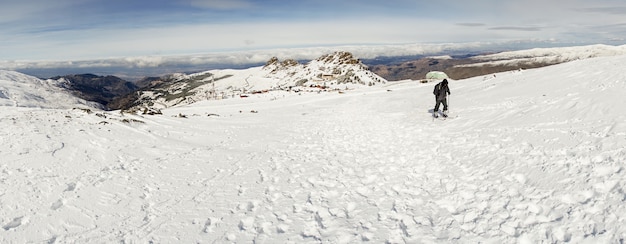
point(249, 57)
point(185, 39)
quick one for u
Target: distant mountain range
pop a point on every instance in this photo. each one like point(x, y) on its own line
point(331, 72)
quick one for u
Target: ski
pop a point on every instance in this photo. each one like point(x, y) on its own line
point(442, 116)
point(438, 114)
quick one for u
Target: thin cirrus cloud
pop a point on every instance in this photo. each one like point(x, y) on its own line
point(220, 4)
point(604, 10)
point(471, 24)
point(516, 28)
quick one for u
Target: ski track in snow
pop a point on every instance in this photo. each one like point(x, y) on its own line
point(515, 164)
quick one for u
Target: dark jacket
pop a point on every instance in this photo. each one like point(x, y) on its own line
point(441, 90)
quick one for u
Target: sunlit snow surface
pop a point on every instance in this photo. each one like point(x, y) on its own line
point(527, 156)
point(20, 90)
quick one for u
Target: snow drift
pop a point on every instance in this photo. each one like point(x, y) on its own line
point(528, 156)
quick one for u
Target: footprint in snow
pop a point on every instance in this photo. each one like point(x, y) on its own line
point(210, 224)
point(16, 222)
point(58, 204)
point(246, 224)
point(71, 186)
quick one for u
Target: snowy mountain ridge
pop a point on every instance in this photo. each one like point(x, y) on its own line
point(548, 55)
point(336, 71)
point(20, 90)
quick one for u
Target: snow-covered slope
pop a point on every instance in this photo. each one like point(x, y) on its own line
point(339, 70)
point(533, 156)
point(548, 55)
point(20, 90)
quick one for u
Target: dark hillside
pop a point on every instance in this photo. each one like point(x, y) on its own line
point(100, 89)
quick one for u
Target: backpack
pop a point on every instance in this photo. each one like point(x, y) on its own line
point(437, 89)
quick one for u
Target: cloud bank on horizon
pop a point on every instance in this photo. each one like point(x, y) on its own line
point(72, 30)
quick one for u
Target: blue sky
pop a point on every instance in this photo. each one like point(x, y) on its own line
point(70, 30)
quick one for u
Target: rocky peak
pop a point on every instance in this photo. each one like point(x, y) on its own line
point(339, 57)
point(272, 61)
point(285, 63)
point(274, 64)
point(289, 62)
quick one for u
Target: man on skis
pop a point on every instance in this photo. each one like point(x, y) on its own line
point(441, 93)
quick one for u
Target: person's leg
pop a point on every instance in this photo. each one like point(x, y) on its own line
point(445, 104)
point(436, 105)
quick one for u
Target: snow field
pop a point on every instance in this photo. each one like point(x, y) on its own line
point(528, 156)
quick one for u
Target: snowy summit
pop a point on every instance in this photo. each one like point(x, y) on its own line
point(530, 156)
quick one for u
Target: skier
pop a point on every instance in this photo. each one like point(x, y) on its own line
point(441, 93)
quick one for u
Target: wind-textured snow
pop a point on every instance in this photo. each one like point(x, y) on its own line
point(528, 156)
